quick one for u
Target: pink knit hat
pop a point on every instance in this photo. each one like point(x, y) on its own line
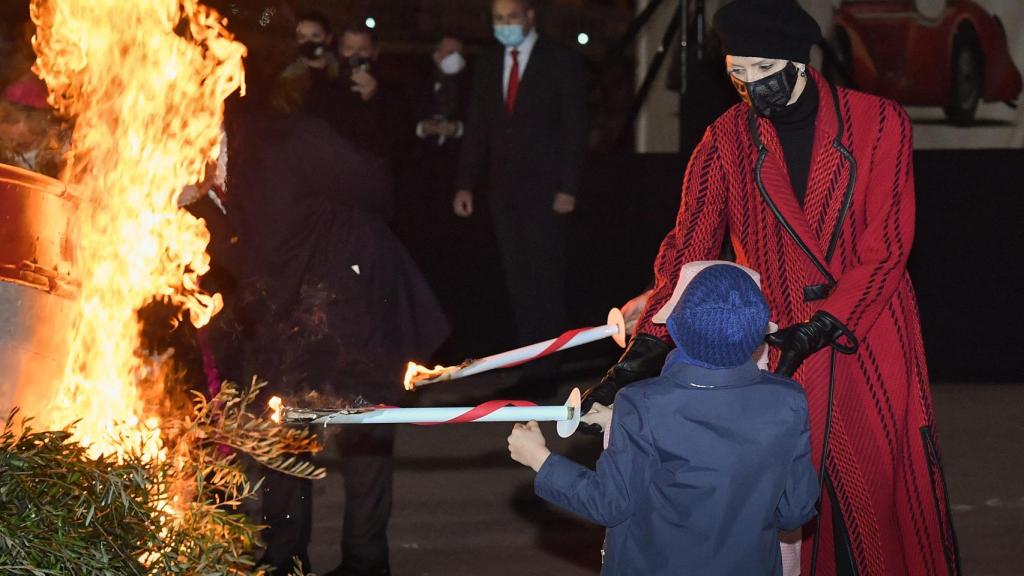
point(27, 91)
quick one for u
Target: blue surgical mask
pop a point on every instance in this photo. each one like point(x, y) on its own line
point(511, 35)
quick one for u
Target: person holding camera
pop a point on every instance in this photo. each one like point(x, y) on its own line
point(309, 82)
point(370, 113)
point(359, 51)
point(339, 84)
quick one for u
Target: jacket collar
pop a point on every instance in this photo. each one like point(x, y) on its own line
point(690, 376)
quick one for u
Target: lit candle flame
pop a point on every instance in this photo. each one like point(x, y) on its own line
point(277, 407)
point(416, 373)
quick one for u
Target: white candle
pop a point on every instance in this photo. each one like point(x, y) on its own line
point(615, 328)
point(567, 415)
point(427, 415)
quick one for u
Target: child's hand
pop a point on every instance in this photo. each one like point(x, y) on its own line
point(599, 414)
point(527, 446)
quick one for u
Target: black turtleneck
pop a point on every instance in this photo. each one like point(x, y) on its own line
point(795, 127)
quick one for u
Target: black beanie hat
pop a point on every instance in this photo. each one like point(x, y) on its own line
point(778, 29)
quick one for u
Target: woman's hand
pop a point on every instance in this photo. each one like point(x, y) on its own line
point(632, 310)
point(527, 446)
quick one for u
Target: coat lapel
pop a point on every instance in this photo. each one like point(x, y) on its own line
point(775, 177)
point(827, 180)
point(829, 174)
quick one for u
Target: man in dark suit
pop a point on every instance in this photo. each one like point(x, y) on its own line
point(436, 238)
point(525, 134)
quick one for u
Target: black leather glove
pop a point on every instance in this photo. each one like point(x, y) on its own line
point(799, 341)
point(643, 358)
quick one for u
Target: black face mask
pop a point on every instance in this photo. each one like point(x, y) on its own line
point(769, 95)
point(312, 50)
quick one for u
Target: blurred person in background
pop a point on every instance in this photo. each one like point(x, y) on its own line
point(335, 305)
point(424, 220)
point(336, 82)
point(372, 114)
point(440, 97)
point(31, 137)
point(525, 136)
point(310, 81)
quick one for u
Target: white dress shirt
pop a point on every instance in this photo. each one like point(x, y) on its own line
point(524, 56)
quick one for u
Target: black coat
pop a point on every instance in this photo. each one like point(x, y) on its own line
point(538, 150)
point(438, 96)
point(341, 304)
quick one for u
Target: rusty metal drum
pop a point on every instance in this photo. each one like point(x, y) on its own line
point(37, 285)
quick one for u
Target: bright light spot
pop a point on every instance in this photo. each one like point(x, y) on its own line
point(371, 23)
point(583, 38)
point(276, 407)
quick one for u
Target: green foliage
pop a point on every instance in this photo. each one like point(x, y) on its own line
point(62, 512)
point(65, 512)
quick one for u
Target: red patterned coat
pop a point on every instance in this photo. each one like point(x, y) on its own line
point(883, 461)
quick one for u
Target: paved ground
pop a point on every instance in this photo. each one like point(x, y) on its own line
point(463, 507)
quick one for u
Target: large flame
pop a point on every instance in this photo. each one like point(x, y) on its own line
point(145, 81)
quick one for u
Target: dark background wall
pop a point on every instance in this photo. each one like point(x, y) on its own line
point(966, 263)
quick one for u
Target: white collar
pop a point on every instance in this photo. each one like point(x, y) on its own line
point(526, 46)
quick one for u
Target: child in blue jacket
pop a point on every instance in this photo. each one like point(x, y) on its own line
point(707, 462)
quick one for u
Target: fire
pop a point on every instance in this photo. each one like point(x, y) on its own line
point(415, 374)
point(276, 408)
point(145, 81)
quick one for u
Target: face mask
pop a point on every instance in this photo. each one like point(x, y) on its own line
point(452, 64)
point(511, 35)
point(312, 50)
point(769, 95)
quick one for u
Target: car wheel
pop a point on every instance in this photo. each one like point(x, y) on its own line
point(967, 77)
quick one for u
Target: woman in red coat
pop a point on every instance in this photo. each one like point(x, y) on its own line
point(815, 186)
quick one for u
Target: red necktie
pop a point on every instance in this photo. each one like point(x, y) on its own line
point(513, 83)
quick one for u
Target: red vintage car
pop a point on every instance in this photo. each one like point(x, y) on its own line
point(949, 53)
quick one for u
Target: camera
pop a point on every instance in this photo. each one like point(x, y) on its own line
point(359, 63)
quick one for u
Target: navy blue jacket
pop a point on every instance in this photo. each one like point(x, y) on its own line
point(703, 469)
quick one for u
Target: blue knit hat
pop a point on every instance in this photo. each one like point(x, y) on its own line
point(720, 319)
